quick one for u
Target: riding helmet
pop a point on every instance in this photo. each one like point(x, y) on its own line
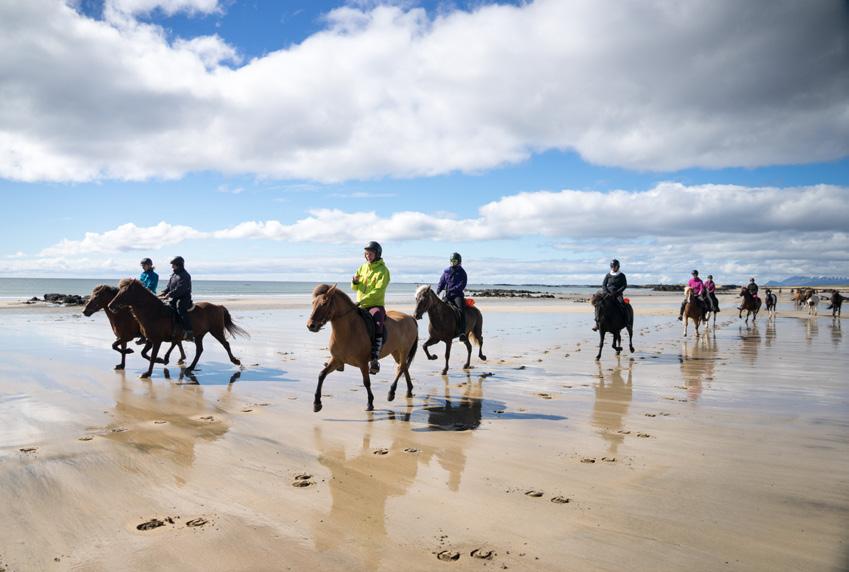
point(710, 276)
point(146, 261)
point(178, 260)
point(456, 256)
point(614, 262)
point(376, 248)
point(695, 272)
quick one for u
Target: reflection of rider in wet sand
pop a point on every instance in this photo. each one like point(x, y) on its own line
point(698, 362)
point(612, 401)
point(462, 415)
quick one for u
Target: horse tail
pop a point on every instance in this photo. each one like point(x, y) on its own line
point(477, 332)
point(231, 327)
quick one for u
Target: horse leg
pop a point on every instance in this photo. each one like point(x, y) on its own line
point(600, 343)
point(686, 321)
point(469, 356)
point(122, 350)
point(427, 344)
point(154, 352)
point(399, 370)
point(198, 351)
point(367, 384)
point(331, 366)
point(182, 359)
point(223, 341)
point(447, 355)
point(630, 337)
point(617, 342)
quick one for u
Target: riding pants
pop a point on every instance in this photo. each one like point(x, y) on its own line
point(181, 306)
point(459, 302)
point(378, 314)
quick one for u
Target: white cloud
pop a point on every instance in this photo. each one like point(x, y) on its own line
point(390, 91)
point(124, 238)
point(168, 7)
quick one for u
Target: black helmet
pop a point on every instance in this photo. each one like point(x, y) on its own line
point(695, 272)
point(376, 248)
point(710, 276)
point(614, 262)
point(751, 279)
point(146, 261)
point(456, 256)
point(178, 260)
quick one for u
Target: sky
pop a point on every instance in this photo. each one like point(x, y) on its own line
point(272, 140)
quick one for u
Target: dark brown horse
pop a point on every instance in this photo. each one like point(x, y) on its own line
point(124, 325)
point(350, 342)
point(750, 304)
point(771, 302)
point(836, 303)
point(158, 321)
point(443, 326)
point(611, 318)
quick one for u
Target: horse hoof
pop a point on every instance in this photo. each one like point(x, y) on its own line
point(409, 395)
point(444, 372)
point(483, 358)
point(118, 367)
point(432, 358)
point(144, 376)
point(181, 361)
point(598, 357)
point(370, 407)
point(234, 361)
point(391, 396)
point(316, 407)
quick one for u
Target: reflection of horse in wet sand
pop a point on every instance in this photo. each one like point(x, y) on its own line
point(698, 363)
point(751, 305)
point(612, 401)
point(158, 321)
point(124, 325)
point(350, 342)
point(443, 325)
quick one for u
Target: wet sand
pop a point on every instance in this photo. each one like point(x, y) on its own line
point(730, 452)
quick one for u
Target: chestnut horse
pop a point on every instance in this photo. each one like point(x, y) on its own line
point(124, 325)
point(693, 310)
point(158, 321)
point(443, 326)
point(350, 343)
point(750, 304)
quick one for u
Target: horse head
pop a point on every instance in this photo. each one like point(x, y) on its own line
point(127, 295)
point(422, 300)
point(323, 306)
point(99, 299)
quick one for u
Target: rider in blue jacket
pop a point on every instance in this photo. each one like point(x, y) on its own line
point(148, 277)
point(453, 281)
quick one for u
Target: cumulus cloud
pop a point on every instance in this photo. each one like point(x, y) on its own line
point(389, 90)
point(124, 238)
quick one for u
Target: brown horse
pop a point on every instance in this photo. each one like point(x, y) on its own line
point(443, 327)
point(158, 321)
point(350, 343)
point(124, 325)
point(750, 304)
point(693, 310)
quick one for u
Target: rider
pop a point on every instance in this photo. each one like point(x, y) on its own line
point(698, 288)
point(179, 292)
point(752, 287)
point(614, 284)
point(710, 288)
point(453, 281)
point(148, 277)
point(370, 283)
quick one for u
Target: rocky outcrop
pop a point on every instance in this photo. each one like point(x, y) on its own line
point(63, 299)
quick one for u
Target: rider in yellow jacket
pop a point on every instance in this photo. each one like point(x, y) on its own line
point(370, 283)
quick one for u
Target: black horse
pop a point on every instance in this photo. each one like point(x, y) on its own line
point(611, 318)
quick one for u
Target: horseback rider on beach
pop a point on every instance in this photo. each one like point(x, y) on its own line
point(752, 287)
point(150, 279)
point(179, 294)
point(614, 285)
point(370, 282)
point(710, 289)
point(698, 288)
point(453, 281)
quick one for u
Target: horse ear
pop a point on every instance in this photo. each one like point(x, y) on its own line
point(332, 289)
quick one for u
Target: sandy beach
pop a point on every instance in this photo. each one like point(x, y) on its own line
point(727, 452)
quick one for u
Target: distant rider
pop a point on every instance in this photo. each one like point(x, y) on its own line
point(614, 284)
point(710, 288)
point(179, 293)
point(453, 281)
point(150, 279)
point(370, 282)
point(752, 287)
point(698, 288)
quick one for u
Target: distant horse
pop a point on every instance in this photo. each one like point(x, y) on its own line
point(350, 342)
point(443, 325)
point(751, 305)
point(612, 319)
point(801, 297)
point(771, 302)
point(158, 321)
point(813, 303)
point(124, 325)
point(694, 309)
point(836, 303)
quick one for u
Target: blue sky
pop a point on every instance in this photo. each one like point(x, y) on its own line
point(159, 128)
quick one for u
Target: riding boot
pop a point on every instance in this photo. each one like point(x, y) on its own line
point(374, 364)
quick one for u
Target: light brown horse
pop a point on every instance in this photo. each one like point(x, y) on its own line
point(158, 321)
point(443, 327)
point(693, 310)
point(124, 325)
point(350, 342)
point(750, 304)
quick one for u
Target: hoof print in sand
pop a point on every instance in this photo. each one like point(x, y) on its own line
point(381, 451)
point(534, 494)
point(160, 422)
point(411, 450)
point(482, 554)
point(302, 480)
point(650, 414)
point(588, 460)
point(154, 523)
point(85, 438)
point(196, 522)
point(544, 395)
point(119, 429)
point(207, 418)
point(28, 449)
point(609, 459)
point(448, 555)
point(623, 432)
point(560, 500)
point(247, 410)
point(643, 435)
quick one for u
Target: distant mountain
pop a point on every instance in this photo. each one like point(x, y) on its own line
point(810, 281)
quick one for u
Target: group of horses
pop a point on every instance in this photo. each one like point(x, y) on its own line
point(134, 312)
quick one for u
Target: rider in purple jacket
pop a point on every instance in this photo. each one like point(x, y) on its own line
point(453, 281)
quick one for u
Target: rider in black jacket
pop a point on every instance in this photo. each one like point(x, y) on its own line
point(179, 293)
point(614, 284)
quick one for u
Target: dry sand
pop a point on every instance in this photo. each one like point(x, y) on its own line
point(730, 452)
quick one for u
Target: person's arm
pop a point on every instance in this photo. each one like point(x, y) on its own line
point(381, 282)
point(604, 282)
point(624, 285)
point(442, 281)
point(359, 285)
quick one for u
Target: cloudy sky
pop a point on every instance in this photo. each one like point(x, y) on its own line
point(271, 140)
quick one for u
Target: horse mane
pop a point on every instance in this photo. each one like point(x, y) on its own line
point(322, 289)
point(421, 290)
point(103, 287)
point(596, 298)
point(136, 282)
